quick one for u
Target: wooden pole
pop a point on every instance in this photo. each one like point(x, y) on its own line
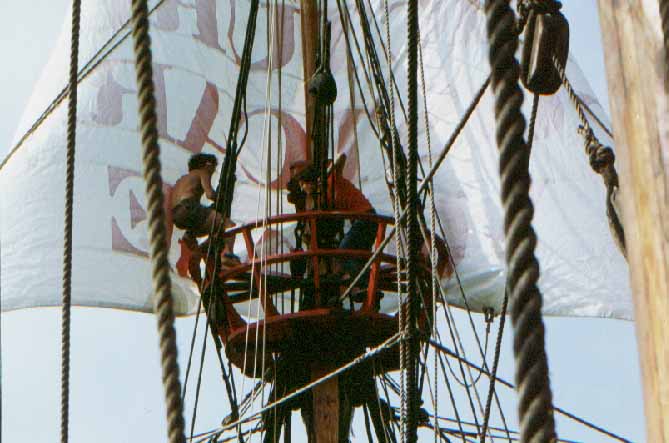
point(309, 22)
point(634, 55)
point(325, 406)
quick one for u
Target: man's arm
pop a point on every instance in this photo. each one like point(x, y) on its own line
point(205, 181)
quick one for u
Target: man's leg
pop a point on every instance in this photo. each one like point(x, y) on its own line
point(360, 236)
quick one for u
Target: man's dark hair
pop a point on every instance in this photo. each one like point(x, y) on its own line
point(308, 174)
point(198, 161)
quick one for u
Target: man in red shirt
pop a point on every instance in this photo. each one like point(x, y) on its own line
point(344, 196)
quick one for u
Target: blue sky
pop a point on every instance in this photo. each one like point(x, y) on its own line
point(116, 389)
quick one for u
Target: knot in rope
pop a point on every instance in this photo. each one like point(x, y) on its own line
point(524, 8)
point(601, 157)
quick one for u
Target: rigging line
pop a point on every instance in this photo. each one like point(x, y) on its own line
point(368, 430)
point(280, 159)
point(230, 393)
point(602, 161)
point(452, 420)
point(267, 129)
point(442, 349)
point(346, 25)
point(597, 119)
point(412, 343)
point(364, 58)
point(447, 313)
point(498, 346)
point(388, 426)
point(199, 377)
point(398, 238)
point(92, 64)
point(436, 389)
point(192, 348)
point(376, 66)
point(457, 275)
point(354, 114)
point(387, 52)
point(433, 249)
point(67, 247)
point(533, 120)
point(152, 176)
point(390, 342)
point(391, 427)
point(464, 383)
point(462, 371)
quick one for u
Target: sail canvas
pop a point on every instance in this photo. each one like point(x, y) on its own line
point(196, 54)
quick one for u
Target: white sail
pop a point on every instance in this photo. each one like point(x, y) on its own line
point(196, 49)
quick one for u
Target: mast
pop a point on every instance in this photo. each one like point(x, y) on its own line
point(325, 397)
point(635, 68)
point(309, 22)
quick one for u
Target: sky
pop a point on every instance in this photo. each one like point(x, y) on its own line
point(116, 390)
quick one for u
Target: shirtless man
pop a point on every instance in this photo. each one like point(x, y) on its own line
point(187, 212)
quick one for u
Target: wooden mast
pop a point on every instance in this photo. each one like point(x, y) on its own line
point(635, 66)
point(325, 415)
point(309, 22)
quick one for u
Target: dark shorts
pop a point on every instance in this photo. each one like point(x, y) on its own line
point(190, 215)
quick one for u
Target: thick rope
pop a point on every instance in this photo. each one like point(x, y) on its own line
point(535, 397)
point(69, 203)
point(152, 176)
point(413, 301)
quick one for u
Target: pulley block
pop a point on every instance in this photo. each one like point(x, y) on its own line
point(322, 85)
point(546, 36)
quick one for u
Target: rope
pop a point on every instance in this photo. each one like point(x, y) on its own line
point(227, 178)
point(67, 252)
point(533, 121)
point(498, 347)
point(535, 398)
point(412, 343)
point(439, 347)
point(153, 179)
point(602, 161)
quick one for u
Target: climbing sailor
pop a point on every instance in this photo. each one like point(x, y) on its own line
point(187, 212)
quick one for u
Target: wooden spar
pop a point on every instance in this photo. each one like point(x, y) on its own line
point(309, 22)
point(326, 406)
point(634, 55)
